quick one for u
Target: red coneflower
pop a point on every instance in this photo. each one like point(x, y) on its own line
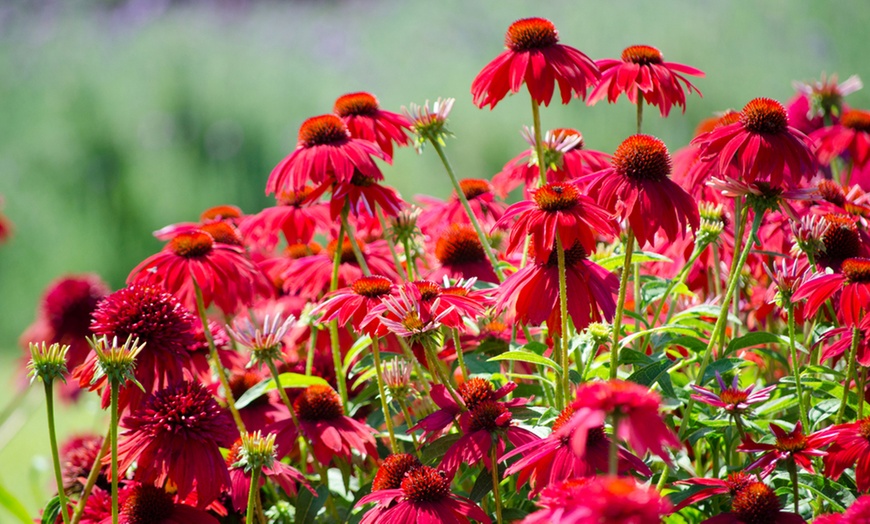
point(565, 158)
point(461, 255)
point(325, 151)
point(814, 100)
point(761, 145)
point(600, 500)
point(731, 398)
point(362, 194)
point(637, 187)
point(293, 217)
point(851, 134)
point(854, 287)
point(142, 503)
point(350, 305)
point(229, 214)
point(531, 295)
point(557, 210)
point(794, 446)
point(837, 349)
point(392, 471)
point(851, 448)
point(756, 503)
point(535, 57)
point(438, 214)
point(279, 473)
point(183, 420)
point(423, 498)
point(223, 273)
point(730, 486)
point(330, 432)
point(641, 70)
point(364, 119)
point(841, 239)
point(549, 461)
point(77, 457)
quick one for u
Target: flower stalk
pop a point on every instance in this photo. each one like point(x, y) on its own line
point(620, 303)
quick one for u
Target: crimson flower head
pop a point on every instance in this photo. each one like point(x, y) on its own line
point(732, 485)
point(761, 145)
point(141, 503)
point(461, 255)
point(636, 410)
point(325, 151)
point(350, 305)
point(362, 194)
point(222, 272)
point(438, 214)
point(638, 188)
point(293, 216)
point(851, 448)
point(531, 295)
point(756, 503)
point(535, 57)
point(814, 100)
point(183, 420)
point(424, 497)
point(853, 284)
point(557, 211)
point(793, 445)
point(602, 500)
point(392, 471)
point(851, 135)
point(364, 119)
point(642, 71)
point(565, 158)
point(240, 474)
point(77, 457)
point(731, 398)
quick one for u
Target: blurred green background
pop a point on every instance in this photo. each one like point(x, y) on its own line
point(119, 117)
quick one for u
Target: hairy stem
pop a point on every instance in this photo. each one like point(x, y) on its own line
point(55, 456)
point(620, 303)
point(388, 419)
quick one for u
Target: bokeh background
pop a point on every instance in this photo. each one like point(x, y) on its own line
point(119, 117)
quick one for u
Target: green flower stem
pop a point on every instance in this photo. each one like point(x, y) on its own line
point(312, 347)
point(639, 111)
point(388, 419)
point(392, 246)
point(437, 370)
point(496, 494)
point(252, 496)
point(55, 456)
point(410, 423)
point(722, 320)
point(539, 143)
point(113, 437)
point(663, 479)
point(853, 351)
point(793, 475)
point(620, 304)
point(740, 208)
point(333, 325)
point(457, 343)
point(474, 222)
point(354, 245)
point(717, 271)
point(410, 262)
point(563, 315)
point(795, 365)
point(418, 369)
point(92, 479)
point(862, 379)
point(613, 455)
point(283, 393)
point(219, 368)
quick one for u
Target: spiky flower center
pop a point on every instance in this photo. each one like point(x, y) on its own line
point(864, 428)
point(573, 256)
point(841, 237)
point(459, 245)
point(392, 471)
point(642, 54)
point(565, 133)
point(294, 198)
point(221, 212)
point(356, 104)
point(318, 402)
point(756, 504)
point(475, 390)
point(412, 322)
point(147, 505)
point(372, 287)
point(563, 418)
point(737, 482)
point(764, 116)
point(425, 484)
point(857, 120)
point(360, 180)
point(323, 130)
point(186, 409)
point(242, 382)
point(488, 415)
point(223, 233)
point(857, 269)
point(556, 197)
point(642, 157)
point(474, 187)
point(456, 291)
point(296, 251)
point(191, 244)
point(347, 256)
point(832, 192)
point(429, 290)
point(733, 396)
point(792, 442)
point(531, 33)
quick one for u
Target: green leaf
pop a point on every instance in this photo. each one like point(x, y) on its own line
point(357, 347)
point(615, 261)
point(483, 484)
point(723, 365)
point(651, 373)
point(677, 329)
point(536, 347)
point(434, 451)
point(528, 356)
point(692, 343)
point(17, 509)
point(478, 364)
point(287, 380)
point(630, 356)
point(307, 505)
point(754, 338)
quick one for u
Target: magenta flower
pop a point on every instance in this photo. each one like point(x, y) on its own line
point(794, 446)
point(756, 503)
point(854, 287)
point(851, 448)
point(364, 119)
point(599, 500)
point(278, 473)
point(734, 484)
point(732, 399)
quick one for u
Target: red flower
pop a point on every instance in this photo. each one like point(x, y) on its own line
point(325, 151)
point(362, 194)
point(183, 420)
point(364, 119)
point(564, 157)
point(325, 426)
point(350, 305)
point(756, 503)
point(642, 69)
point(761, 145)
point(635, 407)
point(77, 457)
point(392, 471)
point(162, 325)
point(637, 187)
point(143, 503)
point(851, 448)
point(600, 500)
point(806, 110)
point(795, 446)
point(292, 217)
point(535, 57)
point(222, 271)
point(279, 473)
point(549, 461)
point(557, 210)
point(531, 295)
point(853, 284)
point(732, 399)
point(424, 498)
point(837, 349)
point(231, 215)
point(438, 214)
point(851, 135)
point(732, 485)
point(461, 255)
